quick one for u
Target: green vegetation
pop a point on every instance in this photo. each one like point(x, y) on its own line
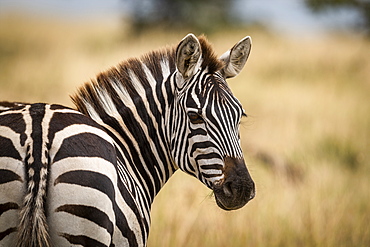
point(306, 140)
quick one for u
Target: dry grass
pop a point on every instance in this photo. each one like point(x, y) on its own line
point(306, 140)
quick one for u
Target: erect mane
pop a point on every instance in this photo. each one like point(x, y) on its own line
point(210, 59)
point(122, 74)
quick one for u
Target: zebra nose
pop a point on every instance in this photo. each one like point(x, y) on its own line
point(234, 193)
point(236, 189)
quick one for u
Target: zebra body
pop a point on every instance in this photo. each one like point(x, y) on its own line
point(89, 179)
point(51, 151)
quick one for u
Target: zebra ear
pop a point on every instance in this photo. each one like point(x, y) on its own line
point(236, 57)
point(188, 56)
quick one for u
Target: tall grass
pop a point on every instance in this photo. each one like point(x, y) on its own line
point(306, 140)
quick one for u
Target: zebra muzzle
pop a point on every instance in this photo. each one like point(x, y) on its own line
point(237, 187)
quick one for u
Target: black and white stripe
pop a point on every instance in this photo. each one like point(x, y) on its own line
point(47, 153)
point(90, 179)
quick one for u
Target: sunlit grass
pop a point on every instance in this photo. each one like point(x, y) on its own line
point(306, 140)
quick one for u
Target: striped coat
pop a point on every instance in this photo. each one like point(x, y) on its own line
point(89, 177)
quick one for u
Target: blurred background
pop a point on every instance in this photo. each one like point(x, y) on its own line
point(305, 88)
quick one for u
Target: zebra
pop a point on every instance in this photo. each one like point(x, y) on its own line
point(88, 176)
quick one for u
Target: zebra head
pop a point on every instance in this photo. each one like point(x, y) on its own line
point(211, 140)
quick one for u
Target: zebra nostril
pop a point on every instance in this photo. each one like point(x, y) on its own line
point(227, 189)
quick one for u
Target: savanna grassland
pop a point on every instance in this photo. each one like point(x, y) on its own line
point(306, 140)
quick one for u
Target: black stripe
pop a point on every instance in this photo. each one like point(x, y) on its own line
point(7, 149)
point(58, 107)
point(169, 92)
point(102, 183)
point(205, 175)
point(189, 168)
point(8, 206)
point(61, 120)
point(154, 66)
point(7, 232)
point(160, 96)
point(208, 156)
point(122, 224)
point(82, 240)
point(181, 137)
point(86, 145)
point(90, 213)
point(8, 176)
point(212, 167)
point(90, 179)
point(37, 112)
point(200, 145)
point(14, 121)
point(196, 132)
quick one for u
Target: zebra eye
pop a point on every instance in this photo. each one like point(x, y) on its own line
point(195, 118)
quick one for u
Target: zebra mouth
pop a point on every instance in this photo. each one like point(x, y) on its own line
point(232, 196)
point(237, 187)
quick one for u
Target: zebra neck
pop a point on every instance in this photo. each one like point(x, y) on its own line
point(131, 101)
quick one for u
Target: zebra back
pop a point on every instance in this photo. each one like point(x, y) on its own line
point(47, 152)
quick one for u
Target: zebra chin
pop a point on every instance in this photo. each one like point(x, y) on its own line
point(237, 187)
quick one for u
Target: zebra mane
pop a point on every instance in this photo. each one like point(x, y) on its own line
point(210, 60)
point(127, 73)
